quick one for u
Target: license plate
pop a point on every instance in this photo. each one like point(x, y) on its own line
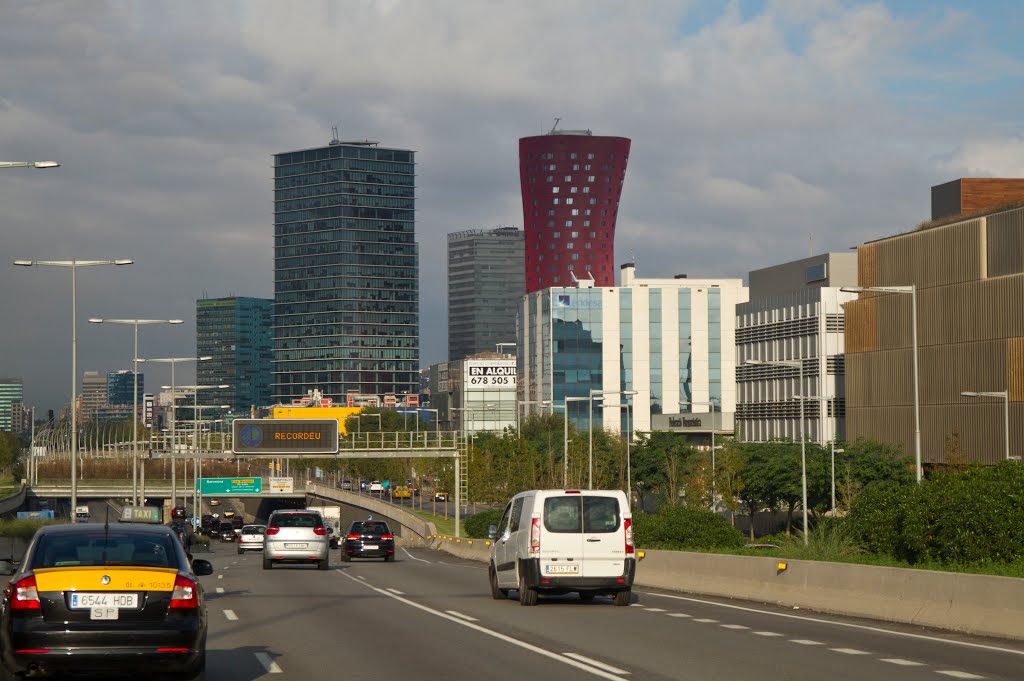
point(370, 547)
point(103, 613)
point(561, 569)
point(295, 546)
point(86, 600)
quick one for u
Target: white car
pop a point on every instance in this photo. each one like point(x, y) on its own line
point(376, 486)
point(251, 538)
point(560, 541)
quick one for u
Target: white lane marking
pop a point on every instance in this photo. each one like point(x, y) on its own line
point(268, 663)
point(459, 614)
point(766, 633)
point(489, 632)
point(706, 620)
point(220, 576)
point(220, 589)
point(636, 605)
point(817, 620)
point(902, 663)
point(679, 614)
point(960, 675)
point(655, 610)
point(734, 626)
point(361, 577)
point(848, 651)
point(230, 614)
point(596, 663)
point(396, 591)
point(805, 642)
point(406, 552)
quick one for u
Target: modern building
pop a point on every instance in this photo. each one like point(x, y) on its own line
point(439, 385)
point(12, 392)
point(969, 279)
point(237, 334)
point(94, 395)
point(119, 388)
point(972, 194)
point(485, 286)
point(346, 271)
point(795, 313)
point(571, 183)
point(672, 341)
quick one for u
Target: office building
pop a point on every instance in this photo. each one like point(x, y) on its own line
point(237, 334)
point(94, 395)
point(119, 388)
point(12, 393)
point(571, 183)
point(969, 279)
point(485, 286)
point(670, 340)
point(795, 313)
point(346, 272)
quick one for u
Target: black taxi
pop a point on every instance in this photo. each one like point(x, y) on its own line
point(105, 598)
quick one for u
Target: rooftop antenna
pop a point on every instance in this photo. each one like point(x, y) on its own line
point(334, 135)
point(810, 245)
point(555, 126)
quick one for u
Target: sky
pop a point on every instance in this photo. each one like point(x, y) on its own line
point(761, 132)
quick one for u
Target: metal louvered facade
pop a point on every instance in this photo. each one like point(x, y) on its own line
point(970, 324)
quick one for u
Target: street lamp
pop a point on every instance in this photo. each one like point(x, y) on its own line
point(803, 448)
point(74, 265)
point(629, 436)
point(29, 164)
point(710, 405)
point(437, 420)
point(359, 429)
point(828, 398)
point(1005, 394)
point(198, 465)
point(499, 346)
point(135, 390)
point(174, 414)
point(527, 403)
point(565, 462)
point(912, 290)
point(599, 394)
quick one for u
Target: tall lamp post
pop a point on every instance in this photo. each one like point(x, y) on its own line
point(714, 469)
point(1005, 394)
point(135, 391)
point(629, 437)
point(174, 415)
point(437, 421)
point(565, 423)
point(912, 290)
point(797, 364)
point(29, 164)
point(599, 395)
point(197, 467)
point(74, 265)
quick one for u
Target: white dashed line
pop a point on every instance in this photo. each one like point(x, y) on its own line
point(734, 626)
point(848, 651)
point(636, 605)
point(220, 589)
point(596, 663)
point(903, 663)
point(220, 576)
point(679, 614)
point(655, 610)
point(268, 663)
point(230, 614)
point(766, 633)
point(805, 642)
point(406, 552)
point(456, 613)
point(961, 675)
point(706, 620)
point(396, 591)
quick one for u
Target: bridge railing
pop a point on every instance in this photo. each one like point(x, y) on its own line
point(400, 440)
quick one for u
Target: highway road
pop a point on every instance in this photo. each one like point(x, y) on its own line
point(430, 616)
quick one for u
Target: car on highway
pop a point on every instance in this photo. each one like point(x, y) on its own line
point(368, 539)
point(214, 502)
point(376, 486)
point(296, 536)
point(251, 538)
point(402, 492)
point(207, 522)
point(105, 598)
point(227, 532)
point(345, 485)
point(440, 496)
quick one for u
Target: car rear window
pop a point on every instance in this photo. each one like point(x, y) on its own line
point(254, 529)
point(298, 520)
point(97, 549)
point(592, 514)
point(370, 528)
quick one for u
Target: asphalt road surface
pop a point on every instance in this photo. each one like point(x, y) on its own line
point(430, 616)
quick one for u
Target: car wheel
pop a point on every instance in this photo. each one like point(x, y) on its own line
point(390, 558)
point(267, 564)
point(622, 597)
point(527, 596)
point(587, 596)
point(322, 564)
point(345, 558)
point(497, 593)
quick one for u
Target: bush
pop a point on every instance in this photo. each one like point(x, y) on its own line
point(23, 528)
point(681, 528)
point(476, 525)
point(877, 518)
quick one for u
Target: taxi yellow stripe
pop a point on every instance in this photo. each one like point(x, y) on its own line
point(90, 578)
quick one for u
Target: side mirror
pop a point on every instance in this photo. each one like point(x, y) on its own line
point(492, 531)
point(330, 530)
point(202, 567)
point(7, 568)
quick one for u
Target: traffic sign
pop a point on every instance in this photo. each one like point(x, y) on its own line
point(285, 436)
point(231, 485)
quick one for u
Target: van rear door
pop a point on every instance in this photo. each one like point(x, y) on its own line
point(561, 542)
point(604, 535)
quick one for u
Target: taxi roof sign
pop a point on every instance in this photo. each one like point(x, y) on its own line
point(142, 514)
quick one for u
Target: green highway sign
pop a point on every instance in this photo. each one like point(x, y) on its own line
point(284, 436)
point(231, 485)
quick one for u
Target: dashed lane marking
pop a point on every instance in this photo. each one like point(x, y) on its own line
point(655, 610)
point(805, 642)
point(734, 626)
point(766, 633)
point(220, 576)
point(268, 663)
point(679, 614)
point(459, 614)
point(961, 675)
point(849, 651)
point(220, 589)
point(230, 614)
point(705, 620)
point(596, 663)
point(406, 552)
point(902, 663)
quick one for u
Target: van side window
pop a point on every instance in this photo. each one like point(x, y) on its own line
point(600, 514)
point(563, 514)
point(503, 525)
point(517, 512)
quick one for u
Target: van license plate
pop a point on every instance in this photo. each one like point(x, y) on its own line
point(561, 569)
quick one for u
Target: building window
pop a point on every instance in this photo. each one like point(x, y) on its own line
point(575, 211)
point(555, 202)
point(554, 190)
point(590, 178)
point(572, 155)
point(568, 178)
point(551, 223)
point(556, 235)
point(590, 157)
point(575, 235)
point(586, 245)
point(568, 201)
point(568, 246)
point(586, 223)
point(586, 190)
point(575, 256)
point(572, 190)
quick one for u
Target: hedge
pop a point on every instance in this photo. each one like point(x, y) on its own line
point(476, 525)
point(682, 528)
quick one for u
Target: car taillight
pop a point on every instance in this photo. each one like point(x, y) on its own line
point(628, 524)
point(352, 536)
point(320, 531)
point(387, 536)
point(535, 535)
point(273, 529)
point(24, 595)
point(184, 594)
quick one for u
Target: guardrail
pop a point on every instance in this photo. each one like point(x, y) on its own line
point(415, 523)
point(423, 440)
point(13, 502)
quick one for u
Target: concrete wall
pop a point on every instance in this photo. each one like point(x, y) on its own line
point(403, 523)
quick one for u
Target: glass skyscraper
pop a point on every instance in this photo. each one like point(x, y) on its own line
point(12, 392)
point(236, 332)
point(119, 387)
point(346, 272)
point(486, 283)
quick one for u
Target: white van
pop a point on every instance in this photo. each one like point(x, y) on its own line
point(560, 541)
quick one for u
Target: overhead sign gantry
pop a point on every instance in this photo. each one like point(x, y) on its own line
point(262, 437)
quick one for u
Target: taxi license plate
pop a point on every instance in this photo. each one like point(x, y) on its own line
point(86, 601)
point(295, 546)
point(370, 547)
point(104, 613)
point(561, 569)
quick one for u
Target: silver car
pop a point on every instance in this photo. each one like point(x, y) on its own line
point(251, 538)
point(296, 536)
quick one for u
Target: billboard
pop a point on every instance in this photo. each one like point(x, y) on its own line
point(284, 436)
point(490, 373)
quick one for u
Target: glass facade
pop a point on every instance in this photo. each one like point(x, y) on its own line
point(346, 272)
point(576, 351)
point(237, 334)
point(715, 345)
point(685, 347)
point(12, 392)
